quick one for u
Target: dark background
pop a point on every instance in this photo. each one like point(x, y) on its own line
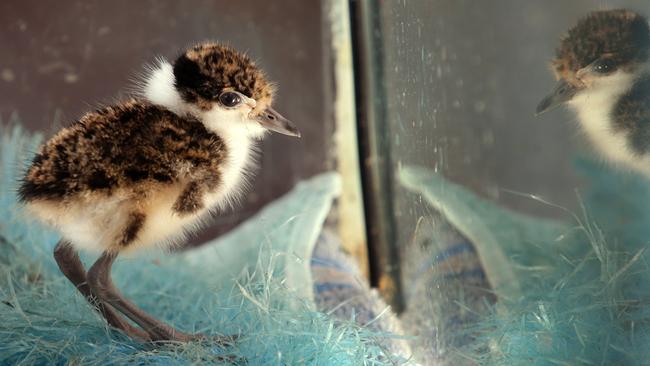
point(59, 59)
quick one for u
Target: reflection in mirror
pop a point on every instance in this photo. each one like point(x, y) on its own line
point(521, 236)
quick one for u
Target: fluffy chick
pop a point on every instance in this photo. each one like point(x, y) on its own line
point(144, 172)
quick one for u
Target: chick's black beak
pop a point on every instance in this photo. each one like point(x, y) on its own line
point(562, 93)
point(274, 121)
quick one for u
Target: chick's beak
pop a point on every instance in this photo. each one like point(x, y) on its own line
point(274, 121)
point(562, 93)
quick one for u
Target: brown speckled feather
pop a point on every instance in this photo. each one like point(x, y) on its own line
point(135, 144)
point(207, 69)
point(622, 34)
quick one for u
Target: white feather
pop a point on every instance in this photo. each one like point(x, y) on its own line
point(158, 88)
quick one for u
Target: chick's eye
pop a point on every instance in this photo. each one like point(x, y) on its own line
point(230, 99)
point(604, 66)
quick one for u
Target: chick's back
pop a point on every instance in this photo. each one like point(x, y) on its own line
point(133, 145)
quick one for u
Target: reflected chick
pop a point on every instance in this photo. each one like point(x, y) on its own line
point(603, 71)
point(145, 172)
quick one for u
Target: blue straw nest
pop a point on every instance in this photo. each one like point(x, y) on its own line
point(572, 292)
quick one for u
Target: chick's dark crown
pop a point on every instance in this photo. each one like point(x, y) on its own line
point(203, 72)
point(621, 35)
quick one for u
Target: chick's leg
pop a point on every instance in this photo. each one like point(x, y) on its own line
point(101, 285)
point(70, 265)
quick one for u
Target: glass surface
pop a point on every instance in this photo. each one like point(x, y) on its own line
point(460, 83)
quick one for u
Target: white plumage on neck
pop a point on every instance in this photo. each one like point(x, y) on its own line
point(159, 88)
point(233, 127)
point(595, 106)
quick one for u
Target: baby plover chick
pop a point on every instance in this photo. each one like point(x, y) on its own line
point(144, 172)
point(603, 71)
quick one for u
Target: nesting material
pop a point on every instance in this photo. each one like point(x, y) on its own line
point(254, 282)
point(341, 290)
point(571, 292)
